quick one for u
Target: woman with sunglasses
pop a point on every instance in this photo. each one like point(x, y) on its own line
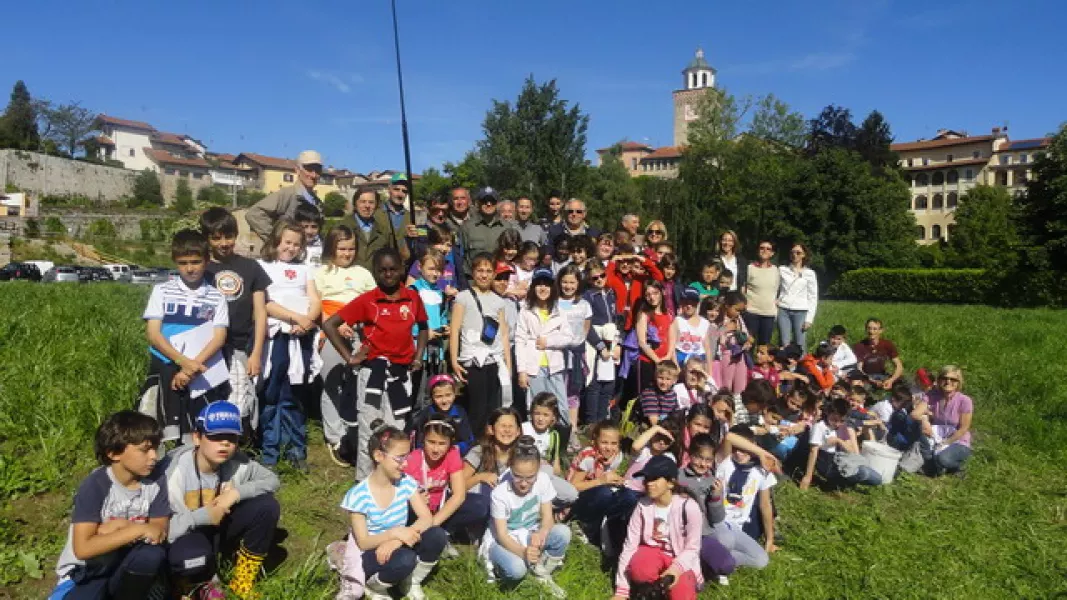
point(798, 297)
point(950, 412)
point(761, 290)
point(655, 233)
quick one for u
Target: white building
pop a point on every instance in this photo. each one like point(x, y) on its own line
point(125, 140)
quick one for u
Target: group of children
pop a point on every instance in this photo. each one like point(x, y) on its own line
point(491, 415)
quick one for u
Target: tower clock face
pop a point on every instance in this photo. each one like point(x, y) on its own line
point(690, 113)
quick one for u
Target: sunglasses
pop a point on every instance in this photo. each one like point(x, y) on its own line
point(488, 200)
point(598, 277)
point(656, 232)
point(766, 249)
point(574, 211)
point(950, 379)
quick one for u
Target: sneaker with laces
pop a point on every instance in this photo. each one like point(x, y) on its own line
point(449, 551)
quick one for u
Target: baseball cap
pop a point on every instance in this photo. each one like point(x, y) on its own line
point(219, 417)
point(690, 295)
point(486, 194)
point(309, 157)
point(503, 267)
point(398, 178)
point(659, 467)
point(543, 274)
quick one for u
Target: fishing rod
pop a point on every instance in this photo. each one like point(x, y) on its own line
point(404, 120)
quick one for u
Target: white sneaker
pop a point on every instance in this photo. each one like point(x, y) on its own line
point(542, 575)
point(449, 551)
point(724, 580)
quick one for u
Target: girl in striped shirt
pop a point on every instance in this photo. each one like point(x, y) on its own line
point(392, 551)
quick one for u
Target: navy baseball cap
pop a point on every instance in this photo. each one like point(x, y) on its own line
point(543, 274)
point(219, 417)
point(659, 467)
point(690, 295)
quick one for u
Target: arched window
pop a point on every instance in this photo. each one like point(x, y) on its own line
point(923, 179)
point(920, 203)
point(953, 200)
point(935, 232)
point(953, 176)
point(939, 178)
point(920, 232)
point(939, 201)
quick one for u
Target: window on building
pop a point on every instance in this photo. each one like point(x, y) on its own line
point(920, 232)
point(968, 175)
point(633, 164)
point(953, 200)
point(953, 176)
point(1023, 159)
point(1005, 159)
point(183, 173)
point(939, 202)
point(926, 161)
point(910, 162)
point(935, 232)
point(949, 230)
point(1002, 178)
point(198, 175)
point(1019, 178)
point(976, 154)
point(923, 179)
point(920, 202)
point(939, 178)
point(948, 158)
point(287, 178)
point(171, 172)
point(132, 152)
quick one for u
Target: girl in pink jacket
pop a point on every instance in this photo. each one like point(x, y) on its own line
point(663, 540)
point(540, 337)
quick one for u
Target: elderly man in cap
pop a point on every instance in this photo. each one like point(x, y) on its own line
point(396, 208)
point(573, 223)
point(282, 203)
point(480, 232)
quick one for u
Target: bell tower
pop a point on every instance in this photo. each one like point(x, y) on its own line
point(697, 78)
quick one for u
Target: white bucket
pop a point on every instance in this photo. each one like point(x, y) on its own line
point(882, 458)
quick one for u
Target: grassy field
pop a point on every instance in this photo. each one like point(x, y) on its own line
point(71, 354)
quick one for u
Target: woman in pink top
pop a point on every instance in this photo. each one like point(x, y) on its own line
point(950, 413)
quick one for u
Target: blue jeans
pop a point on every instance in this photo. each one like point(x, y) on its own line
point(281, 419)
point(513, 568)
point(614, 502)
point(950, 460)
point(864, 476)
point(791, 326)
point(554, 384)
point(598, 396)
point(125, 578)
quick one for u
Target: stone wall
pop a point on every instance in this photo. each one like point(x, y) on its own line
point(128, 226)
point(46, 175)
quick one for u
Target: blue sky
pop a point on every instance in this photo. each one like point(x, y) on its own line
point(278, 77)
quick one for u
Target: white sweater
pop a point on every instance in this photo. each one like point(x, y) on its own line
point(798, 292)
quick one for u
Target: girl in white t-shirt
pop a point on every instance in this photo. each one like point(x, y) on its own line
point(746, 483)
point(339, 281)
point(541, 428)
point(523, 536)
point(293, 307)
point(690, 334)
point(392, 551)
point(835, 451)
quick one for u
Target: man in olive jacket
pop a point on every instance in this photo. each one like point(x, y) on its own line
point(372, 228)
point(264, 214)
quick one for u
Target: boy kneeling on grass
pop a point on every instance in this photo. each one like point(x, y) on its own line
point(218, 494)
point(120, 516)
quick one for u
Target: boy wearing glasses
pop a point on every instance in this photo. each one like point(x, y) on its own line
point(217, 493)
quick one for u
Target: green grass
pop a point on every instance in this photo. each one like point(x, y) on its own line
point(69, 355)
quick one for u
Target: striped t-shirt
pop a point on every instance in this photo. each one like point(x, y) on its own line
point(379, 520)
point(181, 309)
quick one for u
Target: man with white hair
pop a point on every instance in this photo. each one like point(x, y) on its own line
point(573, 223)
point(505, 211)
point(282, 203)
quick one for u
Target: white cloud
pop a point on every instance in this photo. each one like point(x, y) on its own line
point(341, 83)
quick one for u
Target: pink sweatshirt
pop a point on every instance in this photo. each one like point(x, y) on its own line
point(685, 541)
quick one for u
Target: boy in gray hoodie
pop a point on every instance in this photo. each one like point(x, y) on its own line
point(218, 494)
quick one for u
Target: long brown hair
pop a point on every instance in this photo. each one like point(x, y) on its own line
point(269, 252)
point(340, 233)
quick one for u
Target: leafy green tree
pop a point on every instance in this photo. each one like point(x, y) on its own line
point(469, 172)
point(33, 228)
point(68, 125)
point(18, 125)
point(431, 184)
point(53, 226)
point(611, 193)
point(334, 204)
point(147, 190)
point(833, 128)
point(213, 195)
point(535, 145)
point(1042, 210)
point(873, 139)
point(183, 198)
point(984, 235)
point(103, 229)
point(246, 197)
point(773, 121)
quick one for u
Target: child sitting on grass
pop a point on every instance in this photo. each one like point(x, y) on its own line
point(604, 504)
point(443, 407)
point(835, 451)
point(185, 321)
point(699, 478)
point(819, 367)
point(119, 523)
point(541, 428)
point(746, 482)
point(659, 401)
point(218, 494)
point(523, 536)
point(694, 385)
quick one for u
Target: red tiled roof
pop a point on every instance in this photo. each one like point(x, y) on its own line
point(103, 140)
point(117, 122)
point(225, 157)
point(948, 165)
point(626, 147)
point(163, 157)
point(169, 138)
point(928, 144)
point(270, 162)
point(664, 152)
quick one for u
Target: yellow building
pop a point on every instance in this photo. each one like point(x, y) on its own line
point(272, 174)
point(941, 170)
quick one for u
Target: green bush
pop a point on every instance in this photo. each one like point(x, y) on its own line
point(952, 286)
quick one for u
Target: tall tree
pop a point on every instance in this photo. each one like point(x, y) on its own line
point(984, 234)
point(183, 198)
point(69, 125)
point(535, 145)
point(18, 126)
point(1042, 211)
point(833, 128)
point(611, 193)
point(430, 184)
point(774, 121)
point(147, 190)
point(873, 140)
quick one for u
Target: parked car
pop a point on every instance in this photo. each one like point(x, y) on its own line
point(119, 272)
point(23, 271)
point(62, 274)
point(144, 277)
point(93, 274)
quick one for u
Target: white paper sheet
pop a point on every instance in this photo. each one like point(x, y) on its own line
point(190, 344)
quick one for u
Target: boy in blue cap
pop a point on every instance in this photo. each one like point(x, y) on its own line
point(217, 492)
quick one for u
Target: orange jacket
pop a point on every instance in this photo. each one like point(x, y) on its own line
point(822, 376)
